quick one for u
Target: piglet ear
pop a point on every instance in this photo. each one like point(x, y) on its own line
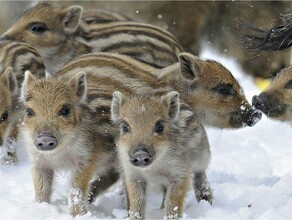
point(9, 80)
point(72, 18)
point(117, 100)
point(29, 78)
point(189, 66)
point(79, 84)
point(172, 100)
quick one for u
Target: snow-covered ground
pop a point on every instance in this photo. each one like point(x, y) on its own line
point(250, 174)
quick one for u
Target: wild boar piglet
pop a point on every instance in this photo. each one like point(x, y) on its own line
point(60, 134)
point(15, 58)
point(161, 142)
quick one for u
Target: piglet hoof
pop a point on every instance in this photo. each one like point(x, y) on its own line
point(135, 215)
point(77, 210)
point(204, 194)
point(208, 198)
point(92, 194)
point(77, 203)
point(10, 158)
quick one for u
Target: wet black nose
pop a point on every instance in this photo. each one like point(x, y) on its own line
point(46, 141)
point(259, 102)
point(141, 157)
point(253, 118)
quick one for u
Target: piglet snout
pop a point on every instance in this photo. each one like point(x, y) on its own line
point(141, 157)
point(259, 103)
point(46, 141)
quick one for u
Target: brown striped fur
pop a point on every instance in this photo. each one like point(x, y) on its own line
point(206, 86)
point(59, 34)
point(160, 143)
point(15, 58)
point(200, 23)
point(21, 57)
point(98, 15)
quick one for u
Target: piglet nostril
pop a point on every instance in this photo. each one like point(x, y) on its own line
point(258, 105)
point(256, 102)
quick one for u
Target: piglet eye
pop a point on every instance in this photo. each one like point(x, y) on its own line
point(225, 89)
point(4, 116)
point(125, 128)
point(65, 111)
point(289, 85)
point(38, 27)
point(29, 112)
point(159, 127)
